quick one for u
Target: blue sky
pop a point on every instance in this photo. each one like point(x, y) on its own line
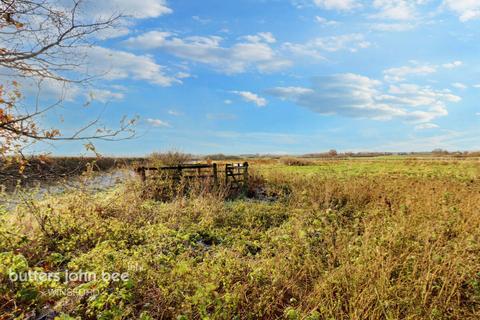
point(284, 76)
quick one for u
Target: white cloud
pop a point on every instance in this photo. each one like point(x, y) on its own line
point(251, 97)
point(344, 5)
point(104, 95)
point(201, 20)
point(416, 69)
point(425, 126)
point(158, 123)
point(48, 90)
point(452, 65)
point(227, 101)
point(289, 92)
point(137, 9)
point(324, 21)
point(103, 64)
point(395, 9)
point(91, 11)
point(465, 9)
point(400, 73)
point(252, 52)
point(115, 65)
point(260, 37)
point(317, 47)
point(357, 96)
point(397, 27)
point(175, 113)
point(476, 86)
point(459, 85)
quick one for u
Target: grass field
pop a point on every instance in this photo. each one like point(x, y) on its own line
point(333, 239)
point(463, 169)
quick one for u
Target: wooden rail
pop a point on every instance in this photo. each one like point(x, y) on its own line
point(179, 171)
point(236, 174)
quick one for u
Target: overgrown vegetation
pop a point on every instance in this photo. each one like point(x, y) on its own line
point(170, 158)
point(324, 245)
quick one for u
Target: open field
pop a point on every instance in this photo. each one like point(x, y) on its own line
point(387, 238)
point(462, 169)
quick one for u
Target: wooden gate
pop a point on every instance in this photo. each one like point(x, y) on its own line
point(236, 175)
point(184, 171)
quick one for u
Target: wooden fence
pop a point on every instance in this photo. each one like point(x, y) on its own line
point(236, 174)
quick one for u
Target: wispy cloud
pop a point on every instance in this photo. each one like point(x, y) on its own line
point(316, 48)
point(401, 73)
point(137, 9)
point(459, 85)
point(251, 97)
point(342, 5)
point(158, 123)
point(175, 113)
point(453, 64)
point(395, 9)
point(425, 126)
point(396, 27)
point(325, 22)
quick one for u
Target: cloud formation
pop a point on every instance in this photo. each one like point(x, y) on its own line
point(425, 126)
point(465, 9)
point(251, 97)
point(316, 48)
point(136, 9)
point(395, 9)
point(357, 96)
point(401, 73)
point(343, 5)
point(251, 52)
point(158, 123)
point(117, 65)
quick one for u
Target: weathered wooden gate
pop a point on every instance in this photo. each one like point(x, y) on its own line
point(236, 175)
point(184, 171)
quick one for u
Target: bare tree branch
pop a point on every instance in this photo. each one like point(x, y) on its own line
point(42, 40)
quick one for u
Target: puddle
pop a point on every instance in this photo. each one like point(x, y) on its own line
point(99, 181)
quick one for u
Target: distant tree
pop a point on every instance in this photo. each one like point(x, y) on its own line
point(439, 151)
point(332, 153)
point(40, 40)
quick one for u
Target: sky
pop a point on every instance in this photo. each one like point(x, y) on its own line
point(282, 77)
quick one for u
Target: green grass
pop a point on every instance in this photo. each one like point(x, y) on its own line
point(463, 169)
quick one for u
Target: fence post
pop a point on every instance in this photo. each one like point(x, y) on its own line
point(245, 175)
point(215, 176)
point(227, 166)
point(141, 171)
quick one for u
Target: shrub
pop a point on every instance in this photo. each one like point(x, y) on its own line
point(170, 158)
point(290, 161)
